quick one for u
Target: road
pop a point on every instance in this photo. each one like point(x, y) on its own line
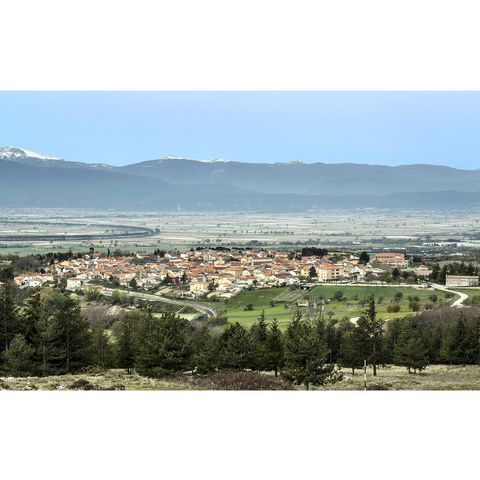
point(458, 303)
point(209, 311)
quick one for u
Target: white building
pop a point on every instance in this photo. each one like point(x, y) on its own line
point(461, 281)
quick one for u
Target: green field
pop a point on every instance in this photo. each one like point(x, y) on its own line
point(286, 302)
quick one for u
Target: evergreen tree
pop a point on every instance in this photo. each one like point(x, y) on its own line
point(258, 333)
point(205, 348)
point(306, 355)
point(364, 258)
point(350, 355)
point(18, 358)
point(237, 348)
point(125, 342)
point(8, 316)
point(410, 350)
point(34, 328)
point(162, 345)
point(369, 336)
point(275, 348)
point(68, 339)
point(463, 347)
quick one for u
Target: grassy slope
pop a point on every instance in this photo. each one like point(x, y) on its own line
point(436, 377)
point(349, 307)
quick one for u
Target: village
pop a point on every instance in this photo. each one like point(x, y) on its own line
point(223, 272)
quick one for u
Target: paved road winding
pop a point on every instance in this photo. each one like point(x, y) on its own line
point(458, 303)
point(209, 311)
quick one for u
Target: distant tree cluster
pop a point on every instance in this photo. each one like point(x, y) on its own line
point(439, 273)
point(314, 252)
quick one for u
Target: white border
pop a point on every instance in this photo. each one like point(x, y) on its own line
point(253, 44)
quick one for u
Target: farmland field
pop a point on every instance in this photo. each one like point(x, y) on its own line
point(281, 303)
point(40, 230)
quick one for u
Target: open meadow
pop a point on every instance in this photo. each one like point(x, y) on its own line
point(282, 303)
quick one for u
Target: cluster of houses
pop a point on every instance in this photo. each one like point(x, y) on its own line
point(220, 271)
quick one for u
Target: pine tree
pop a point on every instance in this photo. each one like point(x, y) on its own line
point(8, 316)
point(258, 333)
point(275, 348)
point(463, 347)
point(369, 336)
point(410, 351)
point(18, 358)
point(237, 348)
point(350, 356)
point(306, 355)
point(68, 339)
point(162, 345)
point(205, 348)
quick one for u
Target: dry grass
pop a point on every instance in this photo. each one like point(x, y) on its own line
point(109, 380)
point(435, 377)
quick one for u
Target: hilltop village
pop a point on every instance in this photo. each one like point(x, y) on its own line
point(225, 272)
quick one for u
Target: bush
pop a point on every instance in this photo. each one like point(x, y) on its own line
point(238, 380)
point(394, 308)
point(414, 306)
point(81, 384)
point(338, 296)
point(248, 307)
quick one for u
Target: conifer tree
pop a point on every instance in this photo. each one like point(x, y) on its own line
point(306, 355)
point(237, 348)
point(125, 342)
point(162, 345)
point(258, 333)
point(69, 345)
point(275, 348)
point(410, 351)
point(18, 358)
point(369, 336)
point(463, 347)
point(205, 348)
point(350, 355)
point(8, 316)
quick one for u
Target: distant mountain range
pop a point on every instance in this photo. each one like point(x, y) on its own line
point(29, 179)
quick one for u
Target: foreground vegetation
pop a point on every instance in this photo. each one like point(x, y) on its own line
point(435, 377)
point(45, 334)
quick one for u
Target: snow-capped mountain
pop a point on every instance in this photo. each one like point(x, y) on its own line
point(15, 153)
point(34, 159)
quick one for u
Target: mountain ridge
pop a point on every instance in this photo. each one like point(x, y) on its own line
point(31, 179)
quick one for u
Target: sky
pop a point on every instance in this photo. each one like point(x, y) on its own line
point(388, 128)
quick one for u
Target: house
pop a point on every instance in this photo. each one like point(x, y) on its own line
point(327, 272)
point(391, 259)
point(74, 283)
point(199, 286)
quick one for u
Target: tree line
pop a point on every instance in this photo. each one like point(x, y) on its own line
point(47, 335)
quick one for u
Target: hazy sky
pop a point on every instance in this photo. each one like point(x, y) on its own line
point(331, 127)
